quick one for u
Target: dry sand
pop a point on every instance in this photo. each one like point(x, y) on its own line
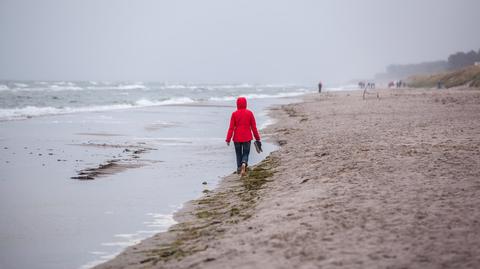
point(377, 183)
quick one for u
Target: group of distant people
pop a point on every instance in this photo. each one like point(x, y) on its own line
point(366, 85)
point(397, 84)
point(371, 85)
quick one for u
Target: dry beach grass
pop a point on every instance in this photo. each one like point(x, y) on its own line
point(469, 75)
point(392, 182)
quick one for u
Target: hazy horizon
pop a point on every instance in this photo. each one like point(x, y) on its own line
point(228, 41)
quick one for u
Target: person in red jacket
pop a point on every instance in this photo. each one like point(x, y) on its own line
point(242, 124)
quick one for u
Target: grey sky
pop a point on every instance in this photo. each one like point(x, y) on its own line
point(298, 41)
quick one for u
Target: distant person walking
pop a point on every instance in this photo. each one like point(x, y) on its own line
point(320, 87)
point(242, 124)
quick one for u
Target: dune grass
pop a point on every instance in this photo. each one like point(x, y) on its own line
point(468, 76)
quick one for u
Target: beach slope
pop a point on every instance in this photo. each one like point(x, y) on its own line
point(392, 181)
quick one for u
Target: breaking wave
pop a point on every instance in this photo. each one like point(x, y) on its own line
point(260, 96)
point(172, 101)
point(33, 111)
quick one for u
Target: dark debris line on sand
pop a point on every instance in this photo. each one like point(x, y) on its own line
point(113, 166)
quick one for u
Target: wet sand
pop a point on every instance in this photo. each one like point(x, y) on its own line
point(129, 158)
point(392, 181)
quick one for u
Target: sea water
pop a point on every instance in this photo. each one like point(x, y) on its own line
point(51, 130)
point(35, 98)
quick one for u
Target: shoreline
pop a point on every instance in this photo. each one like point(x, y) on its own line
point(392, 182)
point(134, 161)
point(136, 167)
point(193, 213)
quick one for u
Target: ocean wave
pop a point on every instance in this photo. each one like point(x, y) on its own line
point(69, 83)
point(185, 87)
point(172, 101)
point(232, 86)
point(20, 85)
point(207, 86)
point(64, 87)
point(34, 111)
point(130, 87)
point(176, 86)
point(224, 98)
point(278, 85)
point(259, 96)
point(349, 87)
point(256, 86)
point(104, 86)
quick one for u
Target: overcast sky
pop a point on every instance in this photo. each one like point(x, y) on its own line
point(274, 41)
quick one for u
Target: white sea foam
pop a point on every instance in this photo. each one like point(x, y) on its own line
point(259, 96)
point(210, 87)
point(175, 86)
point(130, 87)
point(279, 95)
point(20, 85)
point(125, 235)
point(233, 86)
point(171, 101)
point(68, 86)
point(162, 221)
point(120, 244)
point(32, 111)
point(64, 83)
point(268, 122)
point(277, 85)
point(64, 87)
point(207, 86)
point(350, 87)
point(98, 252)
point(109, 86)
point(101, 259)
point(225, 98)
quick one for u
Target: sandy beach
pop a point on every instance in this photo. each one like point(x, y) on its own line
point(117, 122)
point(388, 182)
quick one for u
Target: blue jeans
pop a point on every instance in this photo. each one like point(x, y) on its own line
point(242, 149)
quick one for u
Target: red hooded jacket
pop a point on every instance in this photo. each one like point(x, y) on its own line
point(242, 123)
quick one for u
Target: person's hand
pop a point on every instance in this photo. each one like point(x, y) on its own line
point(228, 143)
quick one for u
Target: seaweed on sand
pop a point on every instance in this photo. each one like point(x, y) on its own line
point(213, 214)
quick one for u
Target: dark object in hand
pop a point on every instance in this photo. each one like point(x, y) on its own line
point(258, 146)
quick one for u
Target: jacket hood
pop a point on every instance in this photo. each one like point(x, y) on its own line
point(241, 103)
